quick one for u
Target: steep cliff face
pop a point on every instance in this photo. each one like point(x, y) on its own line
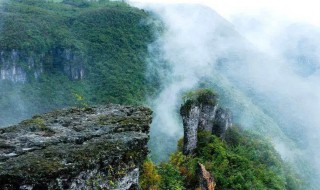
point(10, 69)
point(201, 112)
point(89, 148)
point(19, 66)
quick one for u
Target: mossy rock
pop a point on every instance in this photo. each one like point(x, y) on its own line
point(198, 97)
point(81, 151)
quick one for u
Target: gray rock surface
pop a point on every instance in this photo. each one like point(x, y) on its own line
point(191, 124)
point(201, 112)
point(19, 66)
point(77, 148)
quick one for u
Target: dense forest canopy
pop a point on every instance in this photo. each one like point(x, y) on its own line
point(107, 40)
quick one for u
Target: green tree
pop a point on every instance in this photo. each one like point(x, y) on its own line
point(170, 177)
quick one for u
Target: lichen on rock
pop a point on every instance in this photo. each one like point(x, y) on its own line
point(76, 149)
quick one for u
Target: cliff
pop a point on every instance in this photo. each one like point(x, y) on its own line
point(88, 148)
point(21, 66)
point(201, 112)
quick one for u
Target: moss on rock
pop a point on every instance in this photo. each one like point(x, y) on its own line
point(98, 155)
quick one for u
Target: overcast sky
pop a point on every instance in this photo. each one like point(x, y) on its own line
point(297, 10)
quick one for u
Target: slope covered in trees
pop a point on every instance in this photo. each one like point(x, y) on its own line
point(55, 44)
point(244, 161)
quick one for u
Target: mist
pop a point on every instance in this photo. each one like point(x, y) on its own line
point(265, 68)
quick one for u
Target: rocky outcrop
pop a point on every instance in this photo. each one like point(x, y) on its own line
point(206, 181)
point(87, 148)
point(201, 112)
point(19, 66)
point(11, 70)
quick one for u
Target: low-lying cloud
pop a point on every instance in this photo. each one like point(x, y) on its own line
point(274, 63)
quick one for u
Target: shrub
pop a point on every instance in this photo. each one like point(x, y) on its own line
point(149, 178)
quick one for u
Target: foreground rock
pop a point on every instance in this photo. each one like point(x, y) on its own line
point(90, 148)
point(206, 181)
point(201, 112)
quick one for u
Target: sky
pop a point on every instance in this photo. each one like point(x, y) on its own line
point(298, 10)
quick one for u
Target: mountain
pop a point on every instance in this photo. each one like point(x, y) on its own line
point(54, 55)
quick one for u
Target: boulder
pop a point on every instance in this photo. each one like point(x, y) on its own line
point(78, 148)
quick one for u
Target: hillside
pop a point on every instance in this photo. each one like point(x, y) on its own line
point(232, 157)
point(55, 55)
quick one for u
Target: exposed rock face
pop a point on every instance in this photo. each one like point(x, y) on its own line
point(72, 63)
point(201, 112)
point(89, 148)
point(191, 123)
point(10, 68)
point(222, 122)
point(206, 181)
point(17, 66)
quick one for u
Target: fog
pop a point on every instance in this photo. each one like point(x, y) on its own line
point(264, 67)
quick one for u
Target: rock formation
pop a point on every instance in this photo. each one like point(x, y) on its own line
point(78, 148)
point(206, 181)
point(200, 112)
point(19, 66)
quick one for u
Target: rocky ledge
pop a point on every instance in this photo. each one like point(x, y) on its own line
point(77, 148)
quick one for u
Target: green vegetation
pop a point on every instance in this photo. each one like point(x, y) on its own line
point(170, 177)
point(203, 95)
point(149, 178)
point(243, 161)
point(107, 40)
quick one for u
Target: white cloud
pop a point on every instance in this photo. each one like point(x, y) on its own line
point(299, 10)
point(280, 73)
